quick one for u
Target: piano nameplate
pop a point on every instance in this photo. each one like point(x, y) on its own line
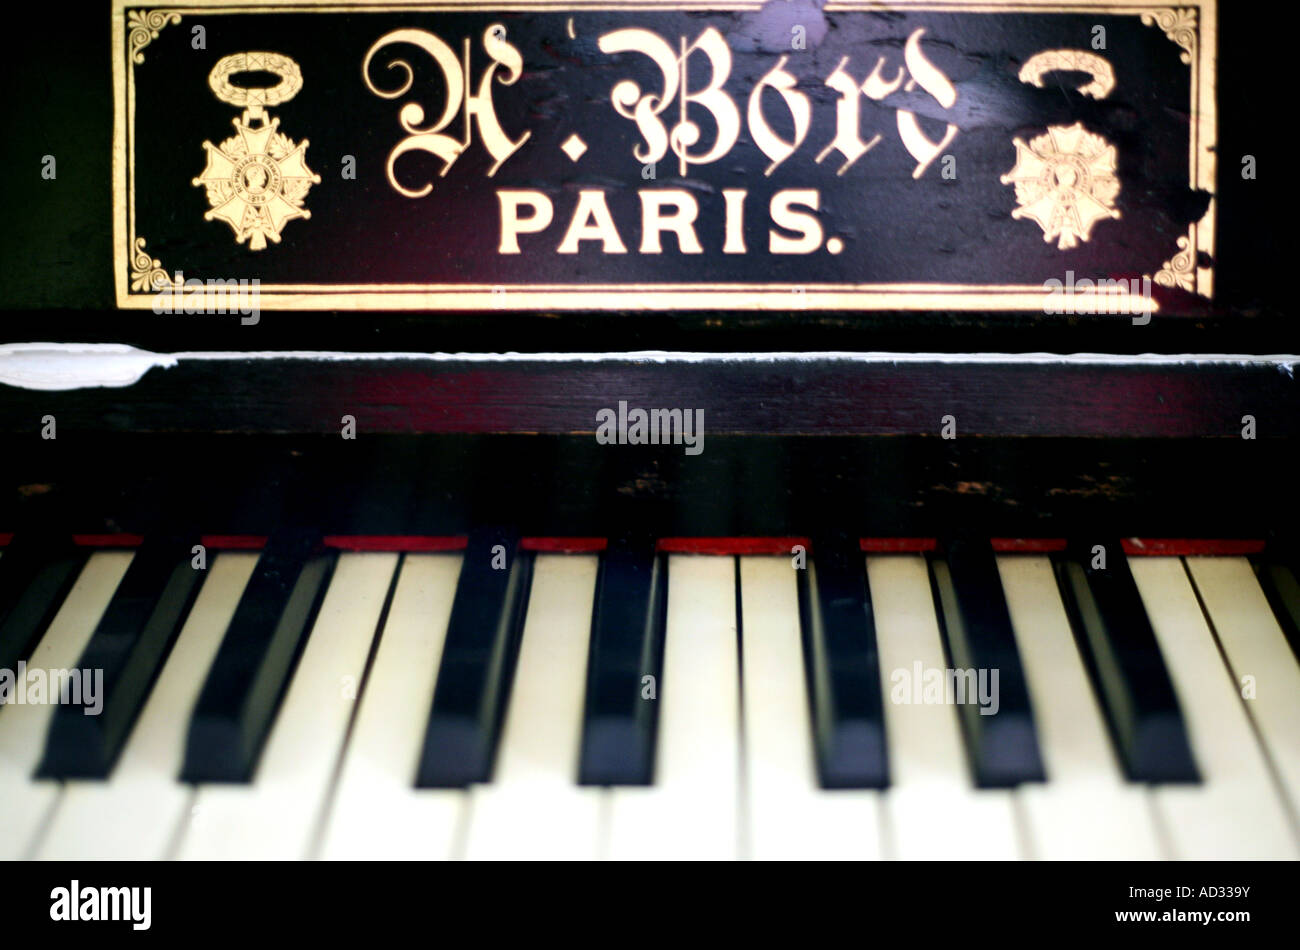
point(601, 155)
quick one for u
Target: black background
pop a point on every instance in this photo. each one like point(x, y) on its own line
point(656, 902)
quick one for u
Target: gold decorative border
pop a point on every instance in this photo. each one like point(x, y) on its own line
point(1180, 271)
point(1193, 28)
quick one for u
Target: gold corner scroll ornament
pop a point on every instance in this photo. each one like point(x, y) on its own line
point(147, 272)
point(1179, 25)
point(256, 180)
point(1180, 270)
point(145, 26)
point(1065, 181)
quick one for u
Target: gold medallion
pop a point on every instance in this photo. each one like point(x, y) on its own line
point(257, 179)
point(1065, 180)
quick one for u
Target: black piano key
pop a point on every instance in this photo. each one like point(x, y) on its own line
point(842, 664)
point(976, 625)
point(129, 645)
point(619, 724)
point(1281, 584)
point(35, 576)
point(478, 660)
point(1123, 659)
point(246, 683)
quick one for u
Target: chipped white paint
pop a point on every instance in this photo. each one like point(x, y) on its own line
point(55, 366)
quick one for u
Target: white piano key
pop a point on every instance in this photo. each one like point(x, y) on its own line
point(789, 816)
point(533, 808)
point(136, 813)
point(276, 816)
point(1256, 647)
point(691, 811)
point(26, 802)
point(932, 808)
point(377, 812)
point(1085, 810)
point(1236, 811)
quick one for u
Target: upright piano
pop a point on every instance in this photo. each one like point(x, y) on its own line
point(911, 478)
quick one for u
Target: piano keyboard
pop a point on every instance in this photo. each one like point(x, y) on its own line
point(595, 700)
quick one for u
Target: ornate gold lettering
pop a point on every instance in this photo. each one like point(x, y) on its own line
point(478, 108)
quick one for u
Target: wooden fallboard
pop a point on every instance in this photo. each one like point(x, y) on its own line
point(1082, 396)
point(882, 445)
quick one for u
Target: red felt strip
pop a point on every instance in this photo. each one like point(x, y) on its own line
point(234, 542)
point(1167, 547)
point(107, 540)
point(729, 545)
point(897, 545)
point(381, 542)
point(1027, 545)
point(564, 545)
point(1190, 547)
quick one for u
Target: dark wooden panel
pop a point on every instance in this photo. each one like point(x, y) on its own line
point(785, 396)
point(885, 486)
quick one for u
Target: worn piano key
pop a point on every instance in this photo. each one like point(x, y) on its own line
point(377, 812)
point(843, 667)
point(1120, 648)
point(627, 642)
point(1281, 584)
point(928, 770)
point(276, 815)
point(478, 661)
point(1086, 810)
point(692, 811)
point(789, 816)
point(136, 813)
point(35, 577)
point(129, 646)
point(1262, 665)
point(248, 677)
point(28, 800)
point(533, 808)
point(976, 625)
point(1237, 811)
